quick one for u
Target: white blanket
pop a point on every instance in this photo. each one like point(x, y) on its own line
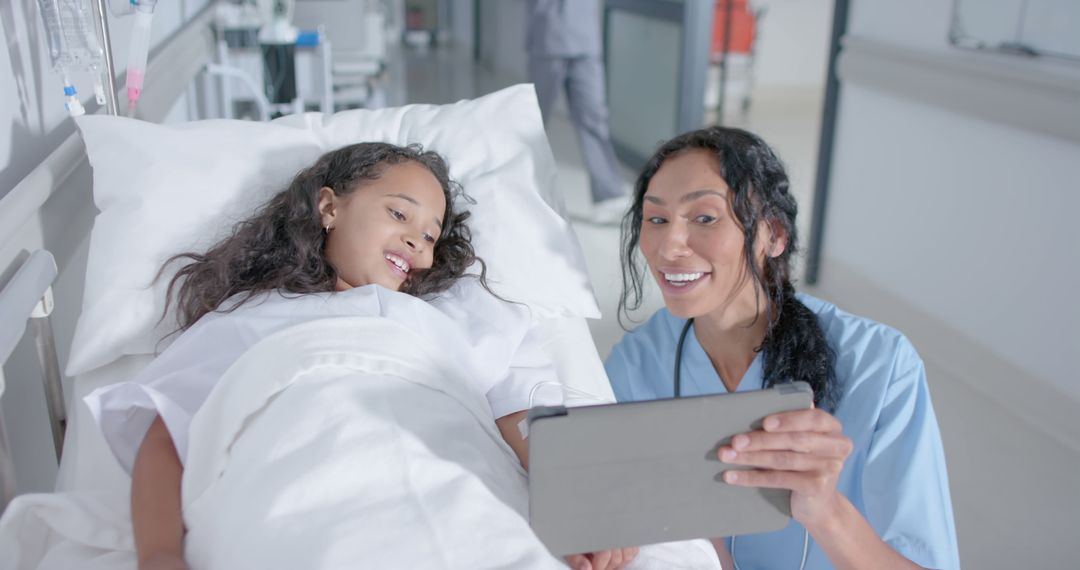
point(346, 440)
point(343, 443)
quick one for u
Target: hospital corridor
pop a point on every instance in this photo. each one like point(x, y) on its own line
point(604, 284)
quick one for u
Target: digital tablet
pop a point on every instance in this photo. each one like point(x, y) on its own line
point(630, 474)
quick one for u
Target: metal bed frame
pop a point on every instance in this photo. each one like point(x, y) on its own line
point(28, 298)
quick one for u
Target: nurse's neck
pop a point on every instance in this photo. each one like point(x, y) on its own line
point(729, 336)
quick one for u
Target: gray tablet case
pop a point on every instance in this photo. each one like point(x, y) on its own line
point(638, 473)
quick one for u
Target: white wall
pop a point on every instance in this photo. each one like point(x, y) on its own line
point(34, 123)
point(792, 46)
point(966, 218)
point(916, 23)
point(969, 220)
point(960, 231)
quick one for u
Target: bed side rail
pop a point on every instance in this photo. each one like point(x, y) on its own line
point(26, 303)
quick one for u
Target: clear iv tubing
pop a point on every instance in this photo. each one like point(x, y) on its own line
point(140, 45)
point(72, 103)
point(566, 392)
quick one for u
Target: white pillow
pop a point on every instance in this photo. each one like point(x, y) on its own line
point(164, 189)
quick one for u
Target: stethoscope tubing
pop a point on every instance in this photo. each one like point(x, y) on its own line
point(677, 382)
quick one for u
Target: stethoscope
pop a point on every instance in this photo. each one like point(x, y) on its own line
point(677, 381)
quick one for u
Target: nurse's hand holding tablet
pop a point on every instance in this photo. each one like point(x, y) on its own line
point(803, 451)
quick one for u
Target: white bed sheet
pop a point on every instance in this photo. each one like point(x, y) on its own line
point(88, 521)
point(93, 489)
point(89, 465)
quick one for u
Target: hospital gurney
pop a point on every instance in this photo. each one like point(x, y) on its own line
point(81, 525)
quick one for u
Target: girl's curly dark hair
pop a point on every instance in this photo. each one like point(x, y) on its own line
point(795, 345)
point(281, 245)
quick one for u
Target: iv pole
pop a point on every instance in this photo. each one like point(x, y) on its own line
point(110, 73)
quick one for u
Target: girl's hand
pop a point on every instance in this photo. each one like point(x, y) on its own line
point(803, 451)
point(163, 561)
point(603, 560)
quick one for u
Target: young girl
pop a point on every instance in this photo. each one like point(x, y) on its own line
point(366, 214)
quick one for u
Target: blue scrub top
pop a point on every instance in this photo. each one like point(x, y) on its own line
point(896, 474)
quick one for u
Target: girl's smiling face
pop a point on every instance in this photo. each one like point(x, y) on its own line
point(386, 229)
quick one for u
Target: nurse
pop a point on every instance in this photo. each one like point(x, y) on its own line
point(715, 223)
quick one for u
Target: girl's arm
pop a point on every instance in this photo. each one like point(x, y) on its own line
point(722, 553)
point(155, 501)
point(508, 427)
point(603, 560)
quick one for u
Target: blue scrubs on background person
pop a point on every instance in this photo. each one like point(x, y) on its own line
point(895, 476)
point(563, 41)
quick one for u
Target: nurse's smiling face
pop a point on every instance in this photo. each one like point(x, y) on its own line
point(692, 241)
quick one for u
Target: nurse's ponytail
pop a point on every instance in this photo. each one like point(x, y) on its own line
point(795, 345)
point(796, 349)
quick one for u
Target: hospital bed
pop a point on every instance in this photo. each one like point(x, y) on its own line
point(357, 31)
point(45, 237)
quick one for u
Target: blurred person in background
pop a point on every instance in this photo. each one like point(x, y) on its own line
point(563, 42)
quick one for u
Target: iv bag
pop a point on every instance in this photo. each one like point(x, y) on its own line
point(73, 43)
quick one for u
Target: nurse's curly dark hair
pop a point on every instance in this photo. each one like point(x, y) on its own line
point(795, 345)
point(281, 246)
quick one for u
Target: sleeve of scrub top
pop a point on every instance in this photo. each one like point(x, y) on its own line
point(905, 483)
point(636, 368)
point(620, 370)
